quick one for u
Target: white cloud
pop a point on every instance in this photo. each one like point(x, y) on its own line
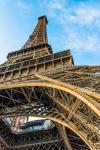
point(79, 22)
point(56, 4)
point(82, 13)
point(52, 6)
point(85, 15)
point(88, 44)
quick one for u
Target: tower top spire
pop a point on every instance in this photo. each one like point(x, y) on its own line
point(36, 45)
point(39, 35)
point(43, 17)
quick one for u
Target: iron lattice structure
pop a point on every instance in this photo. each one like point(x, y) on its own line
point(37, 82)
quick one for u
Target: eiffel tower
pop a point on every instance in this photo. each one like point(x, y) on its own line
point(35, 82)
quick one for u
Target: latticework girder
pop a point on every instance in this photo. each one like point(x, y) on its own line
point(36, 82)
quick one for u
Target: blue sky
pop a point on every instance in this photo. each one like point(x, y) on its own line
point(73, 24)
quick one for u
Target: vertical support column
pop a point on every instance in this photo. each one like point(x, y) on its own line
point(64, 135)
